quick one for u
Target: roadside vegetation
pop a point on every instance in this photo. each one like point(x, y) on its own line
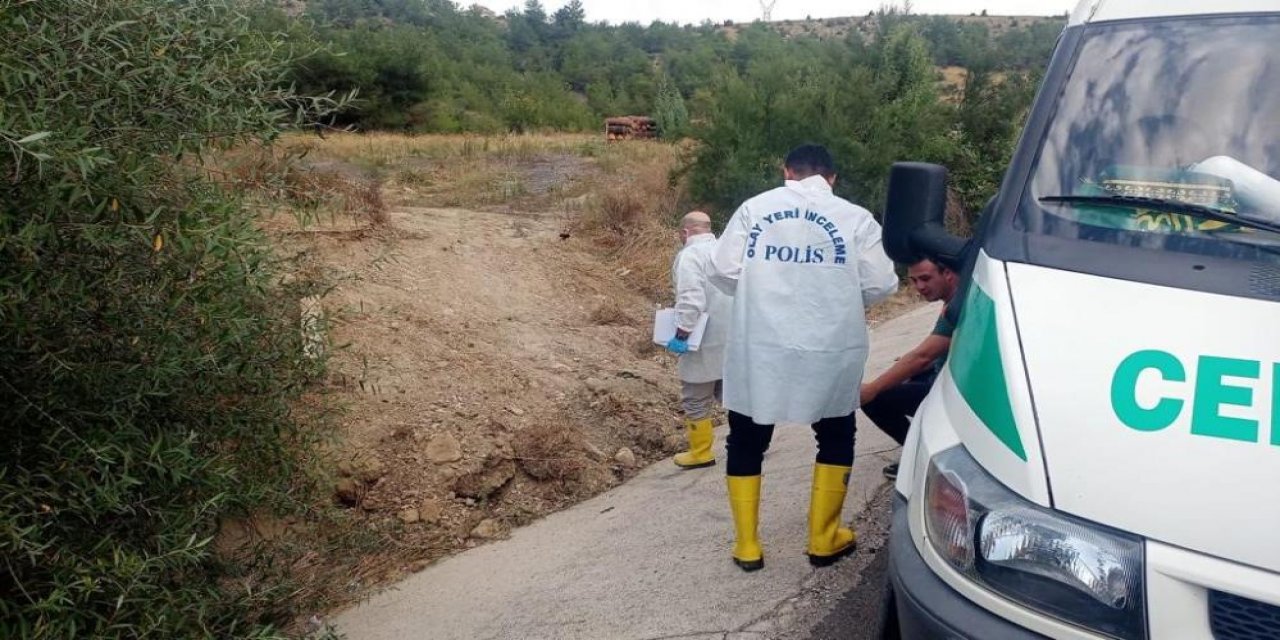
point(149, 352)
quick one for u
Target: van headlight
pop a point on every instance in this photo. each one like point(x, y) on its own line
point(1065, 567)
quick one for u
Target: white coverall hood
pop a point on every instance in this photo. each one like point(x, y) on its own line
point(695, 295)
point(807, 264)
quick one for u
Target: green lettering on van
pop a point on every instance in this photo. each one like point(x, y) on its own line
point(1212, 393)
point(1124, 387)
point(1275, 404)
point(978, 371)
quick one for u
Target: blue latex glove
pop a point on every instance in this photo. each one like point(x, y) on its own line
point(678, 346)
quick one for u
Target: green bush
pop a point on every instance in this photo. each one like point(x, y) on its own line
point(148, 354)
point(871, 105)
point(670, 111)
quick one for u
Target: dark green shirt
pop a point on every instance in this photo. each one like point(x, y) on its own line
point(943, 327)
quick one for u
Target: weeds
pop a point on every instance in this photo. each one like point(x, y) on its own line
point(633, 215)
point(150, 361)
point(389, 149)
point(610, 311)
point(281, 176)
point(548, 451)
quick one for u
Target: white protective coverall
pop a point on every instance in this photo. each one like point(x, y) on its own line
point(806, 264)
point(694, 296)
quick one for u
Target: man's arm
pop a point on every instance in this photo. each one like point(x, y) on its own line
point(691, 294)
point(875, 270)
point(915, 362)
point(731, 248)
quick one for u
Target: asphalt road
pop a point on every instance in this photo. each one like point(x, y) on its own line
point(855, 613)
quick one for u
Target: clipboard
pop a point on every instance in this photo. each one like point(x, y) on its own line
point(664, 328)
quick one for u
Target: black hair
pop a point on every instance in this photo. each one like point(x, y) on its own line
point(811, 160)
point(939, 262)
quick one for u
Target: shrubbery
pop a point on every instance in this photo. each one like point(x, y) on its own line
point(432, 66)
point(148, 352)
point(871, 104)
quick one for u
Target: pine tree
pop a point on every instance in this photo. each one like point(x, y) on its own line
point(670, 110)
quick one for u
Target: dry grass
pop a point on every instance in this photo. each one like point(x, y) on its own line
point(550, 451)
point(391, 149)
point(610, 311)
point(899, 303)
point(533, 172)
point(633, 216)
point(954, 76)
point(278, 176)
point(618, 196)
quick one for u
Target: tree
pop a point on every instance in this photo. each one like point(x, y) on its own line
point(670, 111)
point(571, 17)
point(436, 68)
point(534, 13)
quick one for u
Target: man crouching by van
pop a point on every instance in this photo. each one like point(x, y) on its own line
point(893, 397)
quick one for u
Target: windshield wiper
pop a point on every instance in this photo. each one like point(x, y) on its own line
point(1167, 206)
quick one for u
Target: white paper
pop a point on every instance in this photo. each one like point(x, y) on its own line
point(664, 328)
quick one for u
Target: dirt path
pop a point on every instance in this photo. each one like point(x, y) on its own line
point(493, 372)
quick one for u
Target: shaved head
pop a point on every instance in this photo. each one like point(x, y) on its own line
point(696, 221)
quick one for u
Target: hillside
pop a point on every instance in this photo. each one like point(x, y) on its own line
point(491, 359)
point(867, 26)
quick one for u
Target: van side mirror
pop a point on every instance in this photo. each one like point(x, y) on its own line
point(914, 213)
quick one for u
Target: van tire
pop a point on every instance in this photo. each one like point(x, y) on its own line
point(888, 619)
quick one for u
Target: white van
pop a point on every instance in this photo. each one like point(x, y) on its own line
point(1100, 457)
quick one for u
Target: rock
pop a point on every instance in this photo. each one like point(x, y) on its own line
point(431, 510)
point(674, 442)
point(347, 491)
point(373, 503)
point(315, 624)
point(409, 516)
point(488, 529)
point(370, 470)
point(505, 451)
point(516, 411)
point(625, 457)
point(444, 449)
point(595, 451)
point(487, 481)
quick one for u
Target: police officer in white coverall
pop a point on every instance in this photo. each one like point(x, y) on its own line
point(699, 370)
point(805, 264)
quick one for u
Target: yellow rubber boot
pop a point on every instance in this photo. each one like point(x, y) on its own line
point(701, 435)
point(828, 541)
point(744, 500)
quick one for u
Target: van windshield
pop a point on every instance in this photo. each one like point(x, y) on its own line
point(1167, 136)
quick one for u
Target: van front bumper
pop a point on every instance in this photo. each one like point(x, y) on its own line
point(926, 606)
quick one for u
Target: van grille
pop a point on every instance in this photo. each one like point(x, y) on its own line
point(1265, 280)
point(1235, 618)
